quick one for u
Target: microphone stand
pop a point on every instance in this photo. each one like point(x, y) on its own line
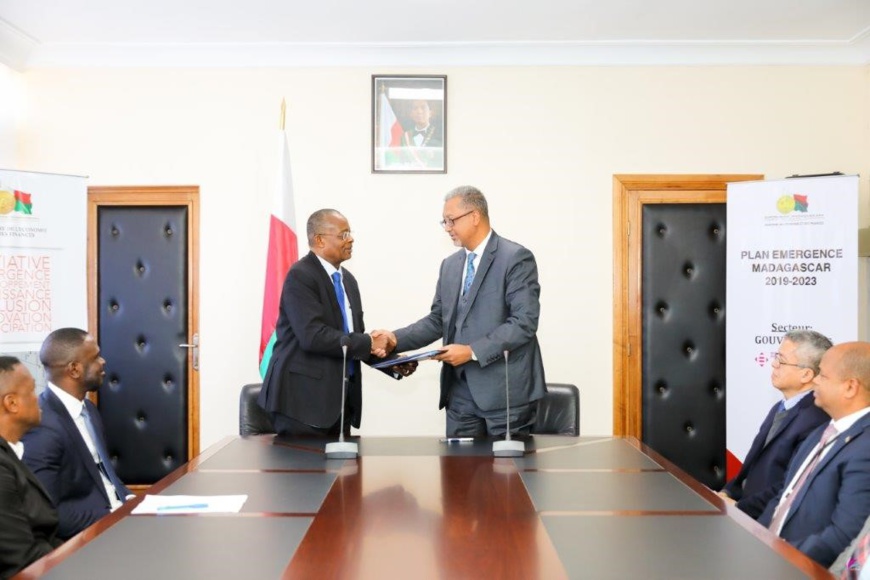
point(342, 449)
point(508, 447)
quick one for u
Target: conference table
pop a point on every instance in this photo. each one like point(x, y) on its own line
point(419, 507)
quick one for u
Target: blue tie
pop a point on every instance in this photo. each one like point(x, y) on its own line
point(339, 293)
point(105, 464)
point(469, 273)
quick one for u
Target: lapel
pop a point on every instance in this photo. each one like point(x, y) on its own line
point(4, 448)
point(75, 437)
point(328, 288)
point(353, 296)
point(843, 439)
point(485, 262)
point(758, 442)
point(450, 286)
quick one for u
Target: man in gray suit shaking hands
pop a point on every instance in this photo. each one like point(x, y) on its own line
point(486, 302)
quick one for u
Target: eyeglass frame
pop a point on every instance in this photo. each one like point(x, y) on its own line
point(343, 235)
point(777, 358)
point(448, 223)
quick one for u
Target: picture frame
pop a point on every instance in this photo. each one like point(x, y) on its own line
point(409, 124)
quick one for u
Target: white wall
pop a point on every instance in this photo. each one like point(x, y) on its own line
point(542, 143)
point(12, 113)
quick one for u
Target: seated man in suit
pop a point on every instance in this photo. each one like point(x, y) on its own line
point(28, 522)
point(787, 424)
point(68, 451)
point(826, 497)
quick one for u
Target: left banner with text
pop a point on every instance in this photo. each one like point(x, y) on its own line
point(43, 259)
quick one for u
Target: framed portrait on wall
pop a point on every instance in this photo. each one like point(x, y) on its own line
point(409, 124)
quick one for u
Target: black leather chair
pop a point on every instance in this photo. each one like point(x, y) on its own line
point(559, 411)
point(253, 419)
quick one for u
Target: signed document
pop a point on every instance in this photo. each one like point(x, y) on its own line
point(406, 358)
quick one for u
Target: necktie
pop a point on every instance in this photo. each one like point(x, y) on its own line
point(858, 559)
point(783, 508)
point(105, 464)
point(469, 273)
point(339, 293)
point(777, 421)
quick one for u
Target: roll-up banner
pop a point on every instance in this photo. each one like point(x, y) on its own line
point(43, 253)
point(792, 264)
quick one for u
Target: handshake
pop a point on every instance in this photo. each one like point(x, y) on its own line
point(383, 343)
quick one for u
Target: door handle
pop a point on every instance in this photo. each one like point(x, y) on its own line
point(195, 348)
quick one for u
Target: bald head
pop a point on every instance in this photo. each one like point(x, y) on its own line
point(854, 362)
point(843, 383)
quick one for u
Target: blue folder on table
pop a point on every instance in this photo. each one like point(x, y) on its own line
point(406, 359)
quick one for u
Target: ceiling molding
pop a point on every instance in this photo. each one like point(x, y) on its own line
point(15, 46)
point(27, 54)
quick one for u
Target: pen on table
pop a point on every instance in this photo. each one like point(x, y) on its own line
point(193, 506)
point(458, 440)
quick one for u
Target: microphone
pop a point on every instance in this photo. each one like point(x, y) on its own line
point(508, 447)
point(342, 449)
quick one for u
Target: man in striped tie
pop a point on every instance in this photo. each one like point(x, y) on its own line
point(826, 498)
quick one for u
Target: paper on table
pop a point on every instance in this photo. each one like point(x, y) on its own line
point(190, 504)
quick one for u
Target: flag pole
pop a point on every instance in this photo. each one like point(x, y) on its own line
point(283, 114)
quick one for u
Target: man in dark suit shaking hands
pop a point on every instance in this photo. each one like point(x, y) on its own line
point(787, 424)
point(486, 302)
point(826, 497)
point(320, 304)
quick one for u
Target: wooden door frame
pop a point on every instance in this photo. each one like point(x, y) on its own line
point(630, 194)
point(173, 195)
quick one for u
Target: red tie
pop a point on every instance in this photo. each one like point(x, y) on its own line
point(783, 508)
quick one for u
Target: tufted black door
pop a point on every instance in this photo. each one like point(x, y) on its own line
point(683, 338)
point(142, 319)
point(143, 310)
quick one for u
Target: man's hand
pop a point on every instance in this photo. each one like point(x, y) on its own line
point(383, 343)
point(406, 369)
point(454, 354)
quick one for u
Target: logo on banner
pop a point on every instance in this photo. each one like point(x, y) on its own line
point(13, 201)
point(789, 203)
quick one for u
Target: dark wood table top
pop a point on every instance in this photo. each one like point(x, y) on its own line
point(597, 507)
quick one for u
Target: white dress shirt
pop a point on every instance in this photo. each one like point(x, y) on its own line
point(330, 270)
point(74, 407)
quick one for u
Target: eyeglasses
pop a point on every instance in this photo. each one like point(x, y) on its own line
point(778, 360)
point(343, 235)
point(449, 222)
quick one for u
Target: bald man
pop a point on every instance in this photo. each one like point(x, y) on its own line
point(826, 497)
point(28, 522)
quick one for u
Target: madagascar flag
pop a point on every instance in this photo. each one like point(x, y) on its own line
point(282, 253)
point(22, 202)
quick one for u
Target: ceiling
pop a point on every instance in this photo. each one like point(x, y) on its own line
point(49, 33)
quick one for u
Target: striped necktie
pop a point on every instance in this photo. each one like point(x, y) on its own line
point(469, 273)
